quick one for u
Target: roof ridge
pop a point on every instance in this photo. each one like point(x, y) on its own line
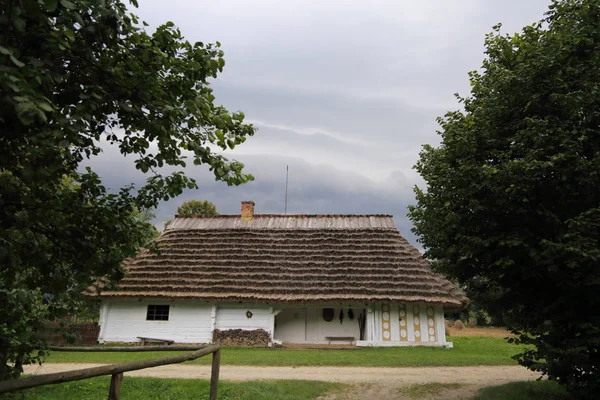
point(288, 216)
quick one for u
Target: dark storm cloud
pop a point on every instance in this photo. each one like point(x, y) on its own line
point(313, 189)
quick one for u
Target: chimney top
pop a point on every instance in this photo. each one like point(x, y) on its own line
point(247, 210)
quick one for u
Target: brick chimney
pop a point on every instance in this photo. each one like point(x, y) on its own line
point(247, 210)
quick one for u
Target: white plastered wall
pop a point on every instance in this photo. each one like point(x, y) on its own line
point(291, 325)
point(125, 321)
point(306, 325)
point(234, 316)
point(317, 329)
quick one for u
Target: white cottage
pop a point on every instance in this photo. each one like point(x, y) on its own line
point(305, 279)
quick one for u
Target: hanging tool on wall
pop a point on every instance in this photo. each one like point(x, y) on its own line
point(341, 315)
point(361, 324)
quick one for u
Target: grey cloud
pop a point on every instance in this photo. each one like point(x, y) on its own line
point(343, 92)
point(357, 118)
point(313, 189)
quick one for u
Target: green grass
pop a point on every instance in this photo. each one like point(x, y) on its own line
point(466, 351)
point(536, 390)
point(181, 389)
point(420, 390)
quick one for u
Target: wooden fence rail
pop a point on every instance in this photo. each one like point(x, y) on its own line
point(119, 349)
point(116, 370)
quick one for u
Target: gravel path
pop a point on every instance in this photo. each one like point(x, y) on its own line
point(480, 376)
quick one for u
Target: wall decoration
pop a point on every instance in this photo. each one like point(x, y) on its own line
point(350, 314)
point(431, 324)
point(417, 323)
point(341, 315)
point(249, 314)
point(403, 322)
point(328, 314)
point(386, 330)
point(362, 321)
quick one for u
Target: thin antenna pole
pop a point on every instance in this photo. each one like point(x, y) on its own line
point(287, 169)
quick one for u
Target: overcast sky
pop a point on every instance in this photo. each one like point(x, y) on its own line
point(344, 92)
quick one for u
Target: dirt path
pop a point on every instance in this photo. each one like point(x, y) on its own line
point(480, 376)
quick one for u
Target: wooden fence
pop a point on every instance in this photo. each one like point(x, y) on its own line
point(117, 370)
point(84, 334)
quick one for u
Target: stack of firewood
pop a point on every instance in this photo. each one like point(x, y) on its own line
point(241, 338)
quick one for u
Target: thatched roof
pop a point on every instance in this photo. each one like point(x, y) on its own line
point(293, 258)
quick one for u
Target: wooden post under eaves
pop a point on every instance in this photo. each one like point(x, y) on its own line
point(213, 318)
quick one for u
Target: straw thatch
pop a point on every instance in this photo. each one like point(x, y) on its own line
point(300, 259)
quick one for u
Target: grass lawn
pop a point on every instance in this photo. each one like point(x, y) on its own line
point(181, 389)
point(466, 351)
point(423, 389)
point(536, 390)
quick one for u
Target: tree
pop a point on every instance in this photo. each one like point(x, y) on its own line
point(149, 232)
point(76, 77)
point(512, 207)
point(197, 207)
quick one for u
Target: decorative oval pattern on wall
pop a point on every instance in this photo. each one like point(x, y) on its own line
point(431, 323)
point(417, 323)
point(385, 322)
point(403, 324)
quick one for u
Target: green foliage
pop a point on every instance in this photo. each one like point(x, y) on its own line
point(466, 351)
point(76, 76)
point(197, 207)
point(183, 389)
point(474, 312)
point(87, 311)
point(537, 390)
point(145, 217)
point(512, 207)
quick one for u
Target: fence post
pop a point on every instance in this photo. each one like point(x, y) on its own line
point(214, 374)
point(115, 386)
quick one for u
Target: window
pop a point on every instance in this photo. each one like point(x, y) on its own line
point(157, 313)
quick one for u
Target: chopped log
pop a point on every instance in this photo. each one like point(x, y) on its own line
point(48, 379)
point(116, 381)
point(241, 338)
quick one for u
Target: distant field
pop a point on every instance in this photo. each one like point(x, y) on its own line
point(485, 332)
point(467, 351)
